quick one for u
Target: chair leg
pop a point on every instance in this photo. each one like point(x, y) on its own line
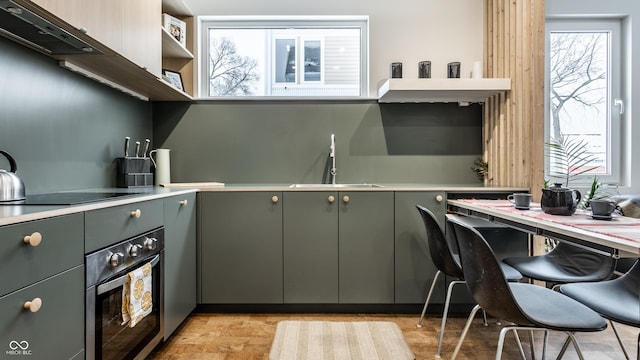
point(515, 334)
point(465, 330)
point(573, 340)
point(484, 318)
point(624, 350)
point(445, 313)
point(532, 346)
point(638, 355)
point(433, 285)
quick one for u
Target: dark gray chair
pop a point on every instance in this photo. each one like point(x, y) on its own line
point(447, 264)
point(566, 263)
point(617, 300)
point(527, 306)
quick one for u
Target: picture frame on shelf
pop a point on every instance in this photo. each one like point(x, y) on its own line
point(174, 78)
point(176, 27)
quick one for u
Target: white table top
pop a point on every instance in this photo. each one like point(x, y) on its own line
point(621, 233)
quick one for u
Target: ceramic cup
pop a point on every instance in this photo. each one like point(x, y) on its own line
point(521, 201)
point(602, 207)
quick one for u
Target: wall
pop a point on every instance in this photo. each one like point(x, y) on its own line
point(63, 129)
point(407, 31)
point(626, 10)
point(288, 141)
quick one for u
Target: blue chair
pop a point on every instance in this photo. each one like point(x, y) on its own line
point(447, 264)
point(527, 306)
point(617, 300)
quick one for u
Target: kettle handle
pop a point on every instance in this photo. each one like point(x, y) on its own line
point(578, 195)
point(12, 162)
point(151, 157)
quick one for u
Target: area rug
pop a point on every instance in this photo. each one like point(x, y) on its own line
point(324, 340)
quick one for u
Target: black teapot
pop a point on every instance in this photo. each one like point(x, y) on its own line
point(557, 200)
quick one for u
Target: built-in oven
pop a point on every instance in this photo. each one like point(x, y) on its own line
point(107, 335)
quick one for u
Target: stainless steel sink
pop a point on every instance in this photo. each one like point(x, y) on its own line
point(334, 186)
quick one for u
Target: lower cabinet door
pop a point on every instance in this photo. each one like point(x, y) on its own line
point(55, 330)
point(240, 247)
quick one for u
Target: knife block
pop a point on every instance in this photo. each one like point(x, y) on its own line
point(133, 172)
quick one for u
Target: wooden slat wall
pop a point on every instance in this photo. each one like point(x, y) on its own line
point(513, 126)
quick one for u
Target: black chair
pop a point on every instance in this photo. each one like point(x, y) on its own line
point(527, 306)
point(566, 263)
point(617, 300)
point(447, 264)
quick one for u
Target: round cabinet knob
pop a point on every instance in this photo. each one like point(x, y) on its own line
point(33, 305)
point(346, 199)
point(136, 213)
point(274, 199)
point(135, 249)
point(116, 260)
point(151, 243)
point(331, 199)
point(439, 198)
point(33, 239)
point(184, 202)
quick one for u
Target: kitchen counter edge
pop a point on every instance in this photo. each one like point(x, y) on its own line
point(14, 214)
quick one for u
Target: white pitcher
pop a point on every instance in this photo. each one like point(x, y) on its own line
point(162, 163)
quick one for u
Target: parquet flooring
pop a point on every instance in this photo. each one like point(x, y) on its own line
point(249, 336)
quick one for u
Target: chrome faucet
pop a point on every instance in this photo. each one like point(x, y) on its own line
point(332, 155)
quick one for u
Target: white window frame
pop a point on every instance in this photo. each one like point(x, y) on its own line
point(282, 22)
point(615, 142)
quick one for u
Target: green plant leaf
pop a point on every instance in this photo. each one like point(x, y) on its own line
point(571, 157)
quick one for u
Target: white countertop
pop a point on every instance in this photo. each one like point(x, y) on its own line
point(13, 214)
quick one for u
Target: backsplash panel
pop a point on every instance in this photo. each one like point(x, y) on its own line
point(63, 129)
point(280, 142)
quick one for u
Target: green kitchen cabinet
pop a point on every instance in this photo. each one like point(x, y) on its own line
point(107, 226)
point(179, 260)
point(366, 243)
point(42, 287)
point(310, 246)
point(56, 329)
point(414, 270)
point(338, 247)
point(59, 246)
point(240, 247)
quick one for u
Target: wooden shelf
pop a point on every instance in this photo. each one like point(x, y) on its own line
point(171, 48)
point(117, 69)
point(441, 90)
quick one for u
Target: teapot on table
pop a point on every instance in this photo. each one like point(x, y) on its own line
point(557, 200)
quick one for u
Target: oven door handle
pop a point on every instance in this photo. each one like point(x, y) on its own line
point(108, 286)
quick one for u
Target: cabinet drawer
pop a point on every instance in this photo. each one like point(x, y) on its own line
point(37, 335)
point(104, 227)
point(61, 247)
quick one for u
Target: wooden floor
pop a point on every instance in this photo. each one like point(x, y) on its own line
point(249, 337)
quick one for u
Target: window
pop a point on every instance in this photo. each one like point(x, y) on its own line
point(284, 57)
point(584, 96)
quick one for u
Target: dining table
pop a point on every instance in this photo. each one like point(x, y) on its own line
point(618, 235)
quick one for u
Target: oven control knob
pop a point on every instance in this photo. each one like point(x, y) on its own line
point(135, 249)
point(116, 260)
point(150, 243)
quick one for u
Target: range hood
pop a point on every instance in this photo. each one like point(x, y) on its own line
point(18, 23)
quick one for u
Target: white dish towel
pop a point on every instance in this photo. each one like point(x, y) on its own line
point(136, 295)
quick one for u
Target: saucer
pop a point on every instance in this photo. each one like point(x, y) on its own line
point(522, 207)
point(602, 217)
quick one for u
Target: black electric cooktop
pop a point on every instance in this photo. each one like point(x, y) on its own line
point(68, 198)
